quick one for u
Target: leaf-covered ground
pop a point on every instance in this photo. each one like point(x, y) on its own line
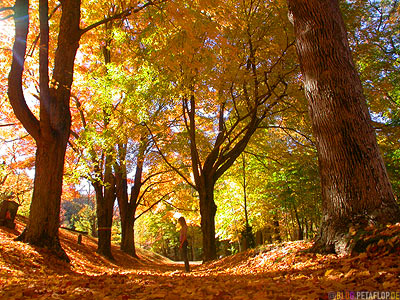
point(272, 272)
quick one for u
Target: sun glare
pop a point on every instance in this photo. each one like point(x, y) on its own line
point(6, 31)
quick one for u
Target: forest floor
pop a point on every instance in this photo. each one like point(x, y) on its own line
point(283, 271)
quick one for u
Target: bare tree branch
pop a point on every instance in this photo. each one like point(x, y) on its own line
point(6, 8)
point(14, 140)
point(179, 208)
point(285, 129)
point(121, 15)
point(6, 125)
point(154, 204)
point(7, 17)
point(166, 160)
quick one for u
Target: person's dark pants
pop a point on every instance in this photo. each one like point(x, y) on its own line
point(185, 255)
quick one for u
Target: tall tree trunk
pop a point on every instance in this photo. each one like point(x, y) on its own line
point(208, 210)
point(127, 212)
point(300, 229)
point(44, 217)
point(106, 190)
point(105, 208)
point(93, 225)
point(51, 132)
point(128, 206)
point(355, 187)
point(128, 235)
point(217, 162)
point(104, 224)
point(276, 229)
point(246, 216)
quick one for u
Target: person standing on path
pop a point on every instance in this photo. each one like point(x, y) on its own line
point(184, 242)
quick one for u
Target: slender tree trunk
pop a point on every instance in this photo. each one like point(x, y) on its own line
point(307, 233)
point(300, 229)
point(246, 216)
point(93, 223)
point(355, 187)
point(208, 210)
point(276, 230)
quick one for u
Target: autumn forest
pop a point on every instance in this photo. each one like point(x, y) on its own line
point(270, 127)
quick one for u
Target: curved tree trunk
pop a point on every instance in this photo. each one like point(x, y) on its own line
point(355, 187)
point(51, 132)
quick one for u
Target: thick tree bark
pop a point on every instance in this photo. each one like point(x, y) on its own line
point(104, 184)
point(208, 210)
point(104, 225)
point(44, 217)
point(355, 187)
point(51, 132)
point(105, 198)
point(127, 212)
point(128, 236)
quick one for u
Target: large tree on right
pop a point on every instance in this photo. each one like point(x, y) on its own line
point(356, 190)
